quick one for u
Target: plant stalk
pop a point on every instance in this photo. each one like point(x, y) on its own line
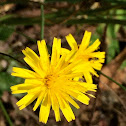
point(123, 87)
point(42, 21)
point(5, 113)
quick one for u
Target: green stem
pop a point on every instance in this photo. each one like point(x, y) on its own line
point(5, 113)
point(12, 58)
point(42, 22)
point(123, 87)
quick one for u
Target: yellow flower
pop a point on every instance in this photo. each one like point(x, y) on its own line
point(51, 82)
point(91, 59)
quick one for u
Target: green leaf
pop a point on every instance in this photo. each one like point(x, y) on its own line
point(6, 81)
point(123, 65)
point(121, 14)
point(6, 31)
point(15, 20)
point(96, 21)
point(94, 37)
point(6, 17)
point(113, 44)
point(97, 34)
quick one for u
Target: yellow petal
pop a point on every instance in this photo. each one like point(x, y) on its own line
point(85, 41)
point(32, 59)
point(96, 65)
point(23, 73)
point(31, 54)
point(61, 62)
point(71, 41)
point(69, 67)
point(23, 87)
point(72, 101)
point(64, 51)
point(40, 98)
point(19, 91)
point(97, 54)
point(70, 56)
point(44, 55)
point(37, 81)
point(36, 67)
point(93, 47)
point(45, 109)
point(35, 90)
point(26, 100)
point(55, 105)
point(88, 77)
point(83, 98)
point(56, 50)
point(65, 108)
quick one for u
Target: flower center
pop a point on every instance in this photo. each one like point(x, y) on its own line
point(50, 80)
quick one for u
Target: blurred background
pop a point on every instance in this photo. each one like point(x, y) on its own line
point(20, 27)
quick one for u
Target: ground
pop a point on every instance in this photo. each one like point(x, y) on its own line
point(109, 106)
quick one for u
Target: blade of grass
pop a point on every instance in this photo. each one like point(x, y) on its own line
point(123, 87)
point(42, 22)
point(36, 20)
point(13, 58)
point(113, 44)
point(5, 113)
point(96, 21)
point(6, 17)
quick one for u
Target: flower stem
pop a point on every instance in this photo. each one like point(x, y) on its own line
point(5, 113)
point(12, 58)
point(42, 21)
point(123, 87)
point(23, 64)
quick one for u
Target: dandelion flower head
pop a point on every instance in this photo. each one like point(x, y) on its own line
point(91, 60)
point(51, 83)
